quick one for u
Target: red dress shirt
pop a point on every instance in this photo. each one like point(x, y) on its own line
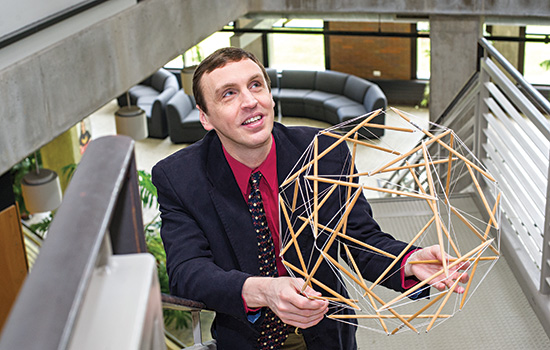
point(269, 189)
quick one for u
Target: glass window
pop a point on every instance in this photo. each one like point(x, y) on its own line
point(197, 53)
point(537, 56)
point(423, 52)
point(297, 51)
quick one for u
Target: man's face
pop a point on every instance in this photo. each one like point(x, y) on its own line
point(240, 106)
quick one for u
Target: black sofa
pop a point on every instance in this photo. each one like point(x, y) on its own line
point(182, 117)
point(329, 96)
point(152, 95)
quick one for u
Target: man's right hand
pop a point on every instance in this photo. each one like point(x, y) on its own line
point(283, 296)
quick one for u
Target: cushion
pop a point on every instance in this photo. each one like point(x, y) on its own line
point(298, 79)
point(336, 103)
point(139, 91)
point(146, 103)
point(158, 79)
point(356, 88)
point(375, 99)
point(318, 98)
point(293, 95)
point(331, 81)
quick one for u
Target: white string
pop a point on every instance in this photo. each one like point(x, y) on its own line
point(444, 203)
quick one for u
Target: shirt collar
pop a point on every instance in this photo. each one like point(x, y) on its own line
point(268, 169)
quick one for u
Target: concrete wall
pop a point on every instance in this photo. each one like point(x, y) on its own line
point(46, 93)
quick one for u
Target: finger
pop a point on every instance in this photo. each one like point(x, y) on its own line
point(300, 321)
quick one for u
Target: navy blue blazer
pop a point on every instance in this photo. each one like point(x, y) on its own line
point(211, 246)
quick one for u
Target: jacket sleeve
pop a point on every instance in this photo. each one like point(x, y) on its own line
point(192, 269)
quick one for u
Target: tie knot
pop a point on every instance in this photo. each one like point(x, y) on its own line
point(255, 178)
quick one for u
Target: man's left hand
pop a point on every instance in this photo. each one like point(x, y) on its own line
point(424, 271)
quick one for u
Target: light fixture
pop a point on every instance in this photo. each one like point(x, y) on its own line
point(41, 190)
point(131, 121)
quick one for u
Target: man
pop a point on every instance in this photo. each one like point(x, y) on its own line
point(211, 239)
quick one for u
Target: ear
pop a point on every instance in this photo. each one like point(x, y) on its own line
point(204, 120)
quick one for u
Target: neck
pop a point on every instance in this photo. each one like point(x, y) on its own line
point(252, 158)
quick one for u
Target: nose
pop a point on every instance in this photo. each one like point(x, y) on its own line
point(248, 99)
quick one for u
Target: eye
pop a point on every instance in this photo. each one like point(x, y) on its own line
point(255, 84)
point(228, 93)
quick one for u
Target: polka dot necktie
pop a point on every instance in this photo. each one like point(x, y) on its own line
point(273, 330)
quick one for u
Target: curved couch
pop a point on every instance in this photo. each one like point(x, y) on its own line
point(182, 116)
point(152, 95)
point(329, 96)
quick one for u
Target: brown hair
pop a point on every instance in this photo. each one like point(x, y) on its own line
point(219, 59)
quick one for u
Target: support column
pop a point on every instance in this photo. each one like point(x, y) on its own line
point(453, 57)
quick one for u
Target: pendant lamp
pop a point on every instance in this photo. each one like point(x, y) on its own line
point(131, 121)
point(41, 190)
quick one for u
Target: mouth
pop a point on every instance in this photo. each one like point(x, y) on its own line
point(252, 120)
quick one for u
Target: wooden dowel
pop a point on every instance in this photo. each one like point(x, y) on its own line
point(363, 143)
point(450, 149)
point(322, 285)
point(389, 127)
point(483, 258)
point(358, 272)
point(434, 208)
point(472, 228)
point(316, 188)
point(472, 274)
point(418, 314)
point(418, 165)
point(327, 246)
point(347, 317)
point(351, 171)
point(449, 166)
point(427, 280)
point(331, 240)
point(290, 243)
point(386, 190)
point(436, 213)
point(330, 298)
point(356, 241)
point(450, 239)
point(443, 303)
point(488, 229)
point(482, 195)
point(403, 252)
point(331, 147)
point(405, 155)
point(346, 272)
point(378, 314)
point(327, 196)
point(294, 238)
point(295, 196)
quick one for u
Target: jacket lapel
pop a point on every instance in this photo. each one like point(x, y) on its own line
point(231, 208)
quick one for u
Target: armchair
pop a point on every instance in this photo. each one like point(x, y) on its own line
point(152, 95)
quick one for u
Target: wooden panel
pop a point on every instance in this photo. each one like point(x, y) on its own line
point(13, 261)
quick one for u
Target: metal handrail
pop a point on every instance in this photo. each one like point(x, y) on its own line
point(507, 66)
point(101, 202)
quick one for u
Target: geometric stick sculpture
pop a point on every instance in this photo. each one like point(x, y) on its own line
point(441, 162)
